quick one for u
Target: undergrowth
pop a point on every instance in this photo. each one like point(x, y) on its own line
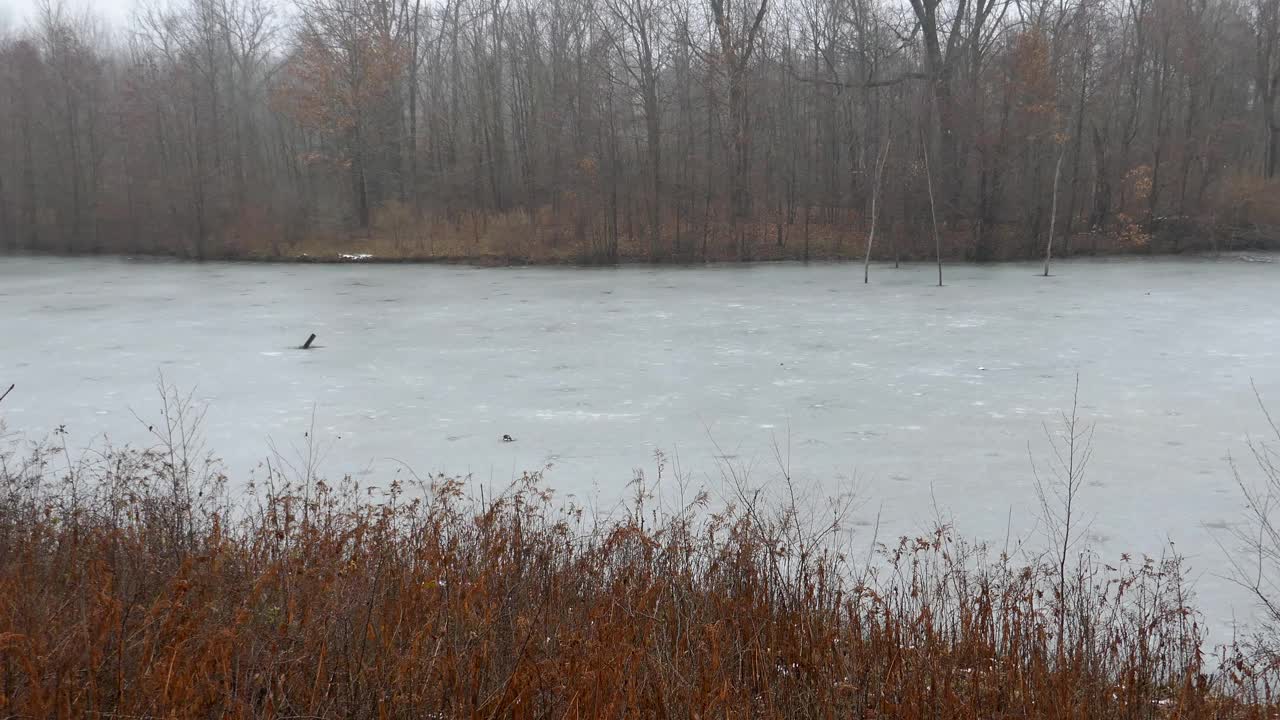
point(135, 583)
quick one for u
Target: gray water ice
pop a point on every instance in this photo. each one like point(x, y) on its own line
point(916, 396)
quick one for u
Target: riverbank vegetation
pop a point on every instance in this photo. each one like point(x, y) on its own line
point(615, 130)
point(133, 583)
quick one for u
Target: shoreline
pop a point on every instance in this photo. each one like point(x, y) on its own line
point(1243, 254)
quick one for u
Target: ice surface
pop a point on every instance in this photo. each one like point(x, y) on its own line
point(913, 394)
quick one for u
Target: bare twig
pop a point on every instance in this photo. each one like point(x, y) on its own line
point(1072, 447)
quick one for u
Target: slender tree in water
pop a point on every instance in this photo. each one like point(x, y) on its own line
point(1053, 212)
point(875, 193)
point(933, 211)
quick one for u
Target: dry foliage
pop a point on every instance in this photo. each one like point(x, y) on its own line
point(577, 235)
point(132, 584)
point(1247, 200)
point(573, 235)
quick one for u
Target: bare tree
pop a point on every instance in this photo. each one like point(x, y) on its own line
point(593, 128)
point(875, 194)
point(1255, 556)
point(1053, 213)
point(942, 46)
point(639, 44)
point(1058, 491)
point(737, 27)
point(1267, 34)
point(933, 213)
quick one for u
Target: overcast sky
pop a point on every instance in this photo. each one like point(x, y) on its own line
point(18, 12)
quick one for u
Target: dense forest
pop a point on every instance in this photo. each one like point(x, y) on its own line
point(601, 130)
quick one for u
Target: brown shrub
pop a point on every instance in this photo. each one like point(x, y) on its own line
point(133, 585)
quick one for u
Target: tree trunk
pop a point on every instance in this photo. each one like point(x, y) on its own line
point(1101, 183)
point(933, 213)
point(413, 108)
point(741, 194)
point(875, 195)
point(1053, 213)
point(654, 139)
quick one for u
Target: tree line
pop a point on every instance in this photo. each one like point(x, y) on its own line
point(609, 128)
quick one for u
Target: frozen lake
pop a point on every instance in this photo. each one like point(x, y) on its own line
point(908, 392)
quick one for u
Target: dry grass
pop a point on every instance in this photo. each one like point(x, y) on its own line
point(133, 584)
point(546, 236)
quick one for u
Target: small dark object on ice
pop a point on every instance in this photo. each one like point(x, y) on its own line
point(508, 438)
point(5, 394)
point(307, 345)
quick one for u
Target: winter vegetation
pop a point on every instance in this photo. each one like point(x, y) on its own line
point(133, 584)
point(148, 582)
point(608, 130)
